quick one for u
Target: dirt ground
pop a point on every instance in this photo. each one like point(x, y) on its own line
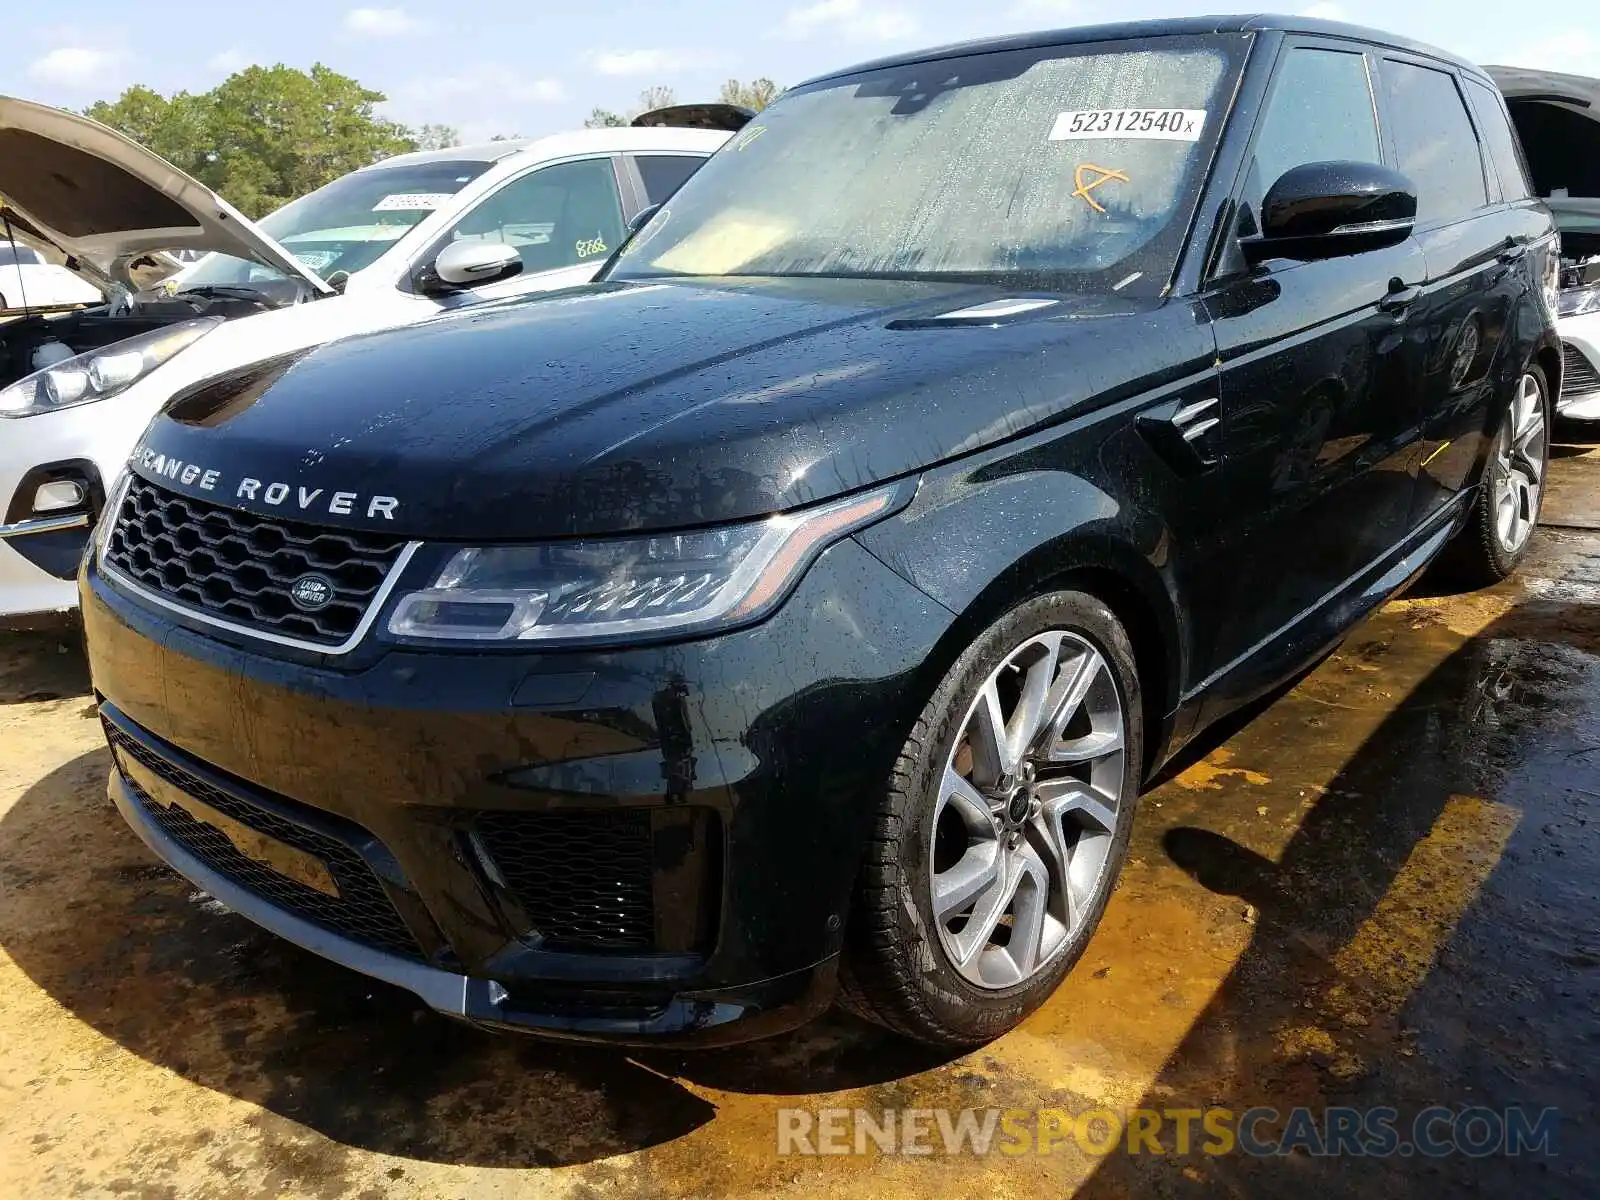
point(1381, 889)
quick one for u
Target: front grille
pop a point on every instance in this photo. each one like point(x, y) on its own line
point(240, 566)
point(362, 911)
point(582, 878)
point(1578, 374)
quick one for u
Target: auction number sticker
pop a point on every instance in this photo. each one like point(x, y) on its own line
point(1146, 124)
point(412, 202)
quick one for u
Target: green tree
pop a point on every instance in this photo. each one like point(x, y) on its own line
point(265, 135)
point(755, 95)
point(652, 97)
point(436, 137)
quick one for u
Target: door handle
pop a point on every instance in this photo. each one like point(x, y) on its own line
point(1399, 299)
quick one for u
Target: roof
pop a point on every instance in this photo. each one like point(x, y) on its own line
point(578, 141)
point(1170, 27)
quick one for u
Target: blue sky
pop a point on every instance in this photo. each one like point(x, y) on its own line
point(520, 66)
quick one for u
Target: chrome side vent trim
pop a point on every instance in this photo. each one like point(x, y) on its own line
point(1187, 434)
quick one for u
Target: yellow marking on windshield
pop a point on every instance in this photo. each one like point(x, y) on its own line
point(1086, 185)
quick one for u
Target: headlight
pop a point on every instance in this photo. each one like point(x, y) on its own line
point(665, 585)
point(100, 374)
point(1550, 283)
point(1578, 302)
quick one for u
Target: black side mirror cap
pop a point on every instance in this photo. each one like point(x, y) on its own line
point(1331, 209)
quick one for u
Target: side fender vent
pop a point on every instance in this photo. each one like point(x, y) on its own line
point(1187, 433)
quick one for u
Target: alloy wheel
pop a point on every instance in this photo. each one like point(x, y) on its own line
point(1027, 810)
point(1517, 468)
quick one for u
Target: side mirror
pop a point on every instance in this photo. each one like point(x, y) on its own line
point(1330, 209)
point(466, 264)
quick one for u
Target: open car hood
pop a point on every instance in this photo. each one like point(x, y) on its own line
point(1558, 123)
point(100, 198)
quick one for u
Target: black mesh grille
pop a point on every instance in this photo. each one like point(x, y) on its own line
point(241, 566)
point(361, 912)
point(1579, 375)
point(582, 878)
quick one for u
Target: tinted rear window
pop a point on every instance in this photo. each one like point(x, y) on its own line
point(664, 174)
point(1435, 141)
point(1504, 152)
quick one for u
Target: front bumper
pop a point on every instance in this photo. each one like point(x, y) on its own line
point(745, 762)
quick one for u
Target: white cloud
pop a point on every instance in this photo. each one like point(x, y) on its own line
point(645, 62)
point(1047, 10)
point(74, 67)
point(226, 62)
point(1326, 12)
point(481, 101)
point(383, 22)
point(852, 20)
point(1574, 51)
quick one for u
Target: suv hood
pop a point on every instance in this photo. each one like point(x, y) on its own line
point(629, 407)
point(99, 198)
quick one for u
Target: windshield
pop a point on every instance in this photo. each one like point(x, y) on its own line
point(1064, 167)
point(346, 225)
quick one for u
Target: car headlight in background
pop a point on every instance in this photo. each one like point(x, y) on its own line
point(662, 585)
point(1550, 282)
point(100, 374)
point(1579, 302)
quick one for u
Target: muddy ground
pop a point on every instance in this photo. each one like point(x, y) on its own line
point(1382, 889)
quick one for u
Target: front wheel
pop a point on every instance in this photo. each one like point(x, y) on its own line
point(1497, 535)
point(1002, 830)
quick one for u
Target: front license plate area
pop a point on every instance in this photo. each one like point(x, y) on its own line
point(288, 861)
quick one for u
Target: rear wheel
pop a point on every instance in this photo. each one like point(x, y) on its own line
point(1003, 828)
point(1506, 511)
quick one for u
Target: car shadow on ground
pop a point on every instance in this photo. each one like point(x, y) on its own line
point(1401, 955)
point(133, 950)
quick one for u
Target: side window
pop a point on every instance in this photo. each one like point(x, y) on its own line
point(664, 174)
point(556, 216)
point(1434, 141)
point(1504, 150)
point(1321, 110)
point(12, 254)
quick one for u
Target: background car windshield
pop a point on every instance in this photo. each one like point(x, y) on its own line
point(346, 225)
point(1073, 167)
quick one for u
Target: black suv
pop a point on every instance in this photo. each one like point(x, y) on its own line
point(798, 611)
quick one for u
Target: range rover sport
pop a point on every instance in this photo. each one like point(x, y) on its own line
point(797, 611)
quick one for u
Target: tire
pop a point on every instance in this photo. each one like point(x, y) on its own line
point(1487, 549)
point(904, 970)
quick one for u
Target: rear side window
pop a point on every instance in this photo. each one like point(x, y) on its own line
point(1321, 111)
point(1434, 141)
point(12, 255)
point(664, 174)
point(1497, 136)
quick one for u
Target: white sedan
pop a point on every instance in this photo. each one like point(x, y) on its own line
point(29, 281)
point(388, 245)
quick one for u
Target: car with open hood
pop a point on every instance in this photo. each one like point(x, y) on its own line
point(392, 244)
point(1557, 119)
point(797, 611)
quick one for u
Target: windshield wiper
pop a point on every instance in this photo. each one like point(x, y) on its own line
point(223, 291)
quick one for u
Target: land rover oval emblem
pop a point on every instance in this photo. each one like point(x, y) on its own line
point(311, 593)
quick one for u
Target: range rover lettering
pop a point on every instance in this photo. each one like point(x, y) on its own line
point(796, 612)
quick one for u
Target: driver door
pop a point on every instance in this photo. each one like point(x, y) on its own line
point(1319, 376)
point(563, 220)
